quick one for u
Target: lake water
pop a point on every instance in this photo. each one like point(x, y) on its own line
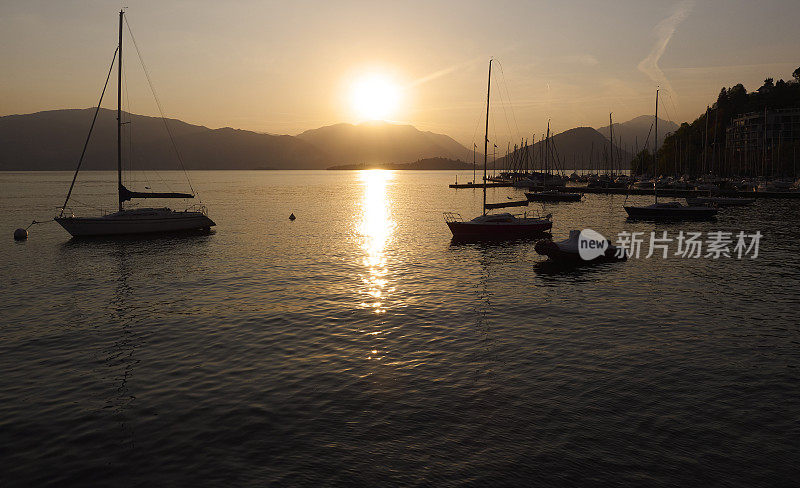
point(356, 346)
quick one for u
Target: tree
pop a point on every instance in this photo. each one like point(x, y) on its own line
point(642, 163)
point(796, 75)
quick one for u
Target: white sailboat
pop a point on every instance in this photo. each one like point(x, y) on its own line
point(130, 221)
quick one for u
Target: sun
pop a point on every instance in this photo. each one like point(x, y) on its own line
point(375, 97)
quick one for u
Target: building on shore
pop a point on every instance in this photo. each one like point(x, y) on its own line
point(764, 143)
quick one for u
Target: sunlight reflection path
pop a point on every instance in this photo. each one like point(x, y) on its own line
point(377, 228)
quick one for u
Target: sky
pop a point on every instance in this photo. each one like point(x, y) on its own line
point(285, 67)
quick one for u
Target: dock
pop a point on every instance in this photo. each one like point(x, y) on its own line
point(517, 203)
point(480, 185)
point(662, 192)
point(671, 192)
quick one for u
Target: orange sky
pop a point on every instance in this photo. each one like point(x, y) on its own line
point(286, 67)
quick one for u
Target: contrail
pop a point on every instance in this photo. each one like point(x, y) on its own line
point(664, 31)
point(440, 73)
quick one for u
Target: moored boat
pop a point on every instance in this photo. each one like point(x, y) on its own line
point(670, 211)
point(500, 225)
point(130, 221)
point(137, 221)
point(553, 196)
point(667, 210)
point(497, 226)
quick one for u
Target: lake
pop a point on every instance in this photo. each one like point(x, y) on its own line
point(358, 346)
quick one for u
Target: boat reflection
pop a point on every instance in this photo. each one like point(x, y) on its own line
point(376, 229)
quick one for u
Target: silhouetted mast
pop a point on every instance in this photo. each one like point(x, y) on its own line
point(119, 114)
point(705, 143)
point(486, 136)
point(655, 150)
point(546, 153)
point(611, 144)
point(474, 147)
point(655, 139)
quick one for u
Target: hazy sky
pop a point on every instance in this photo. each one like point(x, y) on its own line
point(284, 67)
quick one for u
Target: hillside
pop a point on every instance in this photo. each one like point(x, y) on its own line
point(53, 140)
point(701, 146)
point(381, 142)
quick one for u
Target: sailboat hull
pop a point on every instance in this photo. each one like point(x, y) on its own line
point(557, 196)
point(137, 222)
point(489, 231)
point(677, 213)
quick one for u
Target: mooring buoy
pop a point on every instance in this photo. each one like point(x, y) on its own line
point(20, 234)
point(292, 217)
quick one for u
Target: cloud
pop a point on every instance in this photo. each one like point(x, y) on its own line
point(582, 59)
point(664, 31)
point(442, 72)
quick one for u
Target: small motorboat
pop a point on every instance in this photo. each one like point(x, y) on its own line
point(671, 211)
point(568, 250)
point(553, 196)
point(720, 201)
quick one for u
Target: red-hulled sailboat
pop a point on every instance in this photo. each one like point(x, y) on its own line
point(500, 225)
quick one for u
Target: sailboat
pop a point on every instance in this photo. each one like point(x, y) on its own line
point(500, 225)
point(136, 220)
point(667, 210)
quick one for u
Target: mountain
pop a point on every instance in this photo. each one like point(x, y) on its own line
point(53, 140)
point(381, 142)
point(571, 149)
point(635, 131)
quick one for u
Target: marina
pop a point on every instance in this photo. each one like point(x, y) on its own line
point(454, 244)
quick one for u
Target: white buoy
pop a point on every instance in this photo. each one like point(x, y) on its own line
point(20, 234)
point(292, 217)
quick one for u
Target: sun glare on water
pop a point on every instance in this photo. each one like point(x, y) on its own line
point(375, 97)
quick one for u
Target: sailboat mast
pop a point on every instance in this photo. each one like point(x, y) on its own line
point(546, 153)
point(486, 136)
point(119, 114)
point(611, 143)
point(655, 138)
point(655, 150)
point(705, 144)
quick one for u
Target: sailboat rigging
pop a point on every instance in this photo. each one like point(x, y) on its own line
point(667, 210)
point(551, 195)
point(494, 226)
point(129, 221)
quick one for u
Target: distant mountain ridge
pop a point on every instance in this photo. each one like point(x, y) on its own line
point(635, 132)
point(380, 142)
point(52, 140)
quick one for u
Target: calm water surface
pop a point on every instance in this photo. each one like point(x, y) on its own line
point(356, 346)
